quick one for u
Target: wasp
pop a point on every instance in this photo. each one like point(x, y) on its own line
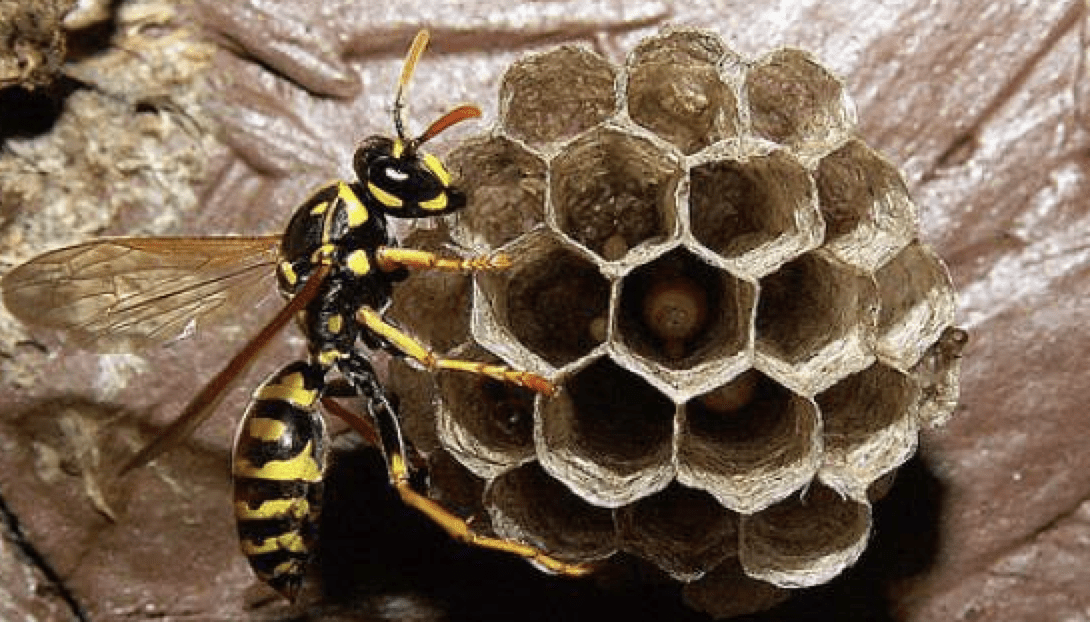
point(336, 264)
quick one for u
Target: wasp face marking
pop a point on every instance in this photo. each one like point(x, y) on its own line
point(405, 182)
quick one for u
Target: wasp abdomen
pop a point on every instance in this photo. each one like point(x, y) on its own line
point(279, 463)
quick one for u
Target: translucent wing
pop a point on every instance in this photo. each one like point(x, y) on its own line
point(127, 293)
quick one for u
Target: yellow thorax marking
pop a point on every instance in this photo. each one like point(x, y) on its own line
point(319, 209)
point(335, 324)
point(357, 213)
point(301, 467)
point(384, 197)
point(358, 262)
point(289, 272)
point(437, 168)
point(266, 429)
point(328, 357)
point(291, 389)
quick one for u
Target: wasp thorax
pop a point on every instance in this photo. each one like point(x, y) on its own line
point(727, 284)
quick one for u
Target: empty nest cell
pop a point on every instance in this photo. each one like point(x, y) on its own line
point(804, 540)
point(868, 213)
point(526, 504)
point(486, 423)
point(608, 435)
point(796, 102)
point(679, 311)
point(751, 449)
point(683, 531)
point(505, 189)
point(555, 95)
point(674, 90)
point(917, 304)
point(612, 191)
point(756, 212)
point(553, 299)
point(870, 427)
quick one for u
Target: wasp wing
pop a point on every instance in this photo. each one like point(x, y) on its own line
point(125, 293)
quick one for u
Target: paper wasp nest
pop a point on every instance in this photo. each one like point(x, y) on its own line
point(728, 285)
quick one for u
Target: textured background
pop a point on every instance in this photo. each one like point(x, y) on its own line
point(983, 103)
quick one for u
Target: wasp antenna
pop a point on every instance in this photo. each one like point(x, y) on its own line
point(457, 115)
point(415, 50)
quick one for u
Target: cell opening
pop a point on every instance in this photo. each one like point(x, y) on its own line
point(674, 90)
point(679, 311)
point(804, 306)
point(497, 415)
point(794, 101)
point(917, 303)
point(681, 530)
point(505, 191)
point(528, 505)
point(612, 192)
point(739, 206)
point(556, 305)
point(555, 95)
point(616, 418)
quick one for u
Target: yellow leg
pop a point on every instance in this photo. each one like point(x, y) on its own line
point(417, 351)
point(459, 529)
point(392, 258)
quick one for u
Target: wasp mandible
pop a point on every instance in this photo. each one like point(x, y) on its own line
point(336, 264)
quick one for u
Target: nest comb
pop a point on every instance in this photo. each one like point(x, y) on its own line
point(729, 286)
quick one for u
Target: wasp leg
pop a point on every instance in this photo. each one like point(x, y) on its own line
point(391, 258)
point(359, 372)
point(412, 348)
point(278, 467)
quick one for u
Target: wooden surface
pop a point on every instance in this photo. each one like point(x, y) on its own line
point(982, 103)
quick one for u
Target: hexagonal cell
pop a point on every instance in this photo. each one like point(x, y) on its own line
point(434, 303)
point(814, 321)
point(607, 435)
point(456, 489)
point(526, 504)
point(870, 428)
point(552, 300)
point(557, 94)
point(749, 443)
point(415, 391)
point(683, 531)
point(612, 191)
point(937, 373)
point(756, 212)
point(678, 311)
point(726, 592)
point(796, 102)
point(484, 423)
point(868, 213)
point(505, 189)
point(805, 540)
point(917, 304)
point(674, 89)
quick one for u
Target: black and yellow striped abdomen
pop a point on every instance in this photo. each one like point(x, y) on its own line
point(279, 462)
